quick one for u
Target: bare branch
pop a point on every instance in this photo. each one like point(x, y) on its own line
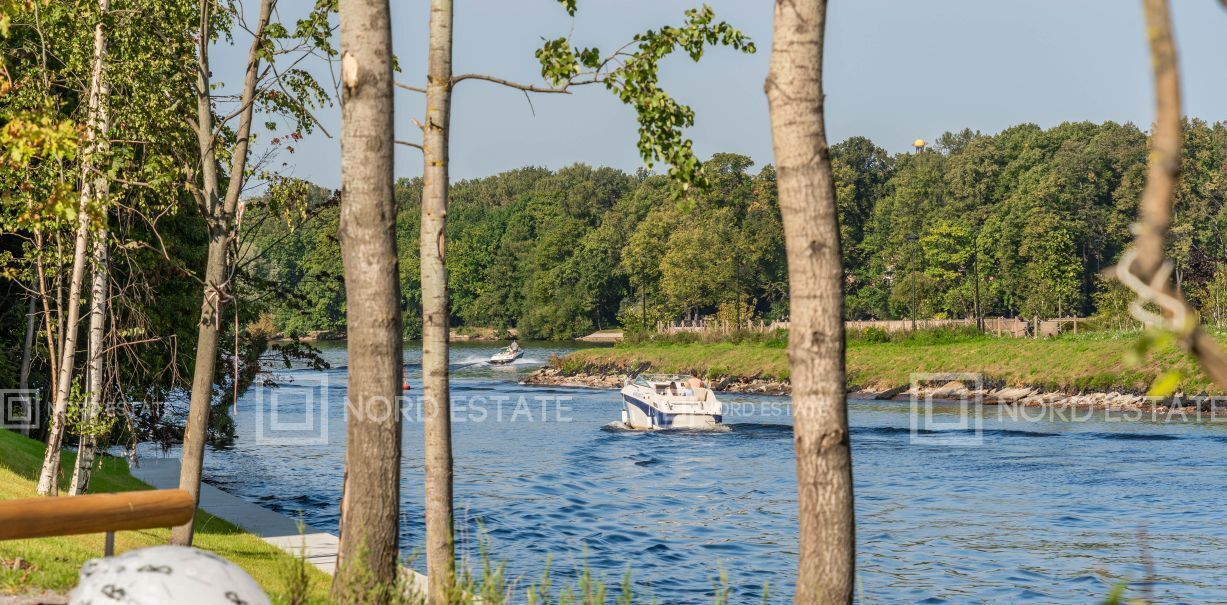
point(529, 99)
point(408, 144)
point(564, 89)
point(423, 90)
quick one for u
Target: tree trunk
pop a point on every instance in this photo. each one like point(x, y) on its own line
point(816, 333)
point(94, 129)
point(58, 318)
point(48, 329)
point(99, 299)
point(437, 429)
point(45, 297)
point(1155, 207)
point(27, 353)
point(370, 505)
point(221, 231)
point(97, 318)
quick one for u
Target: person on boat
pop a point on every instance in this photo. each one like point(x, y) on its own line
point(695, 388)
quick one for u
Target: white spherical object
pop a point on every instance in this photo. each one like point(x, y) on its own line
point(166, 574)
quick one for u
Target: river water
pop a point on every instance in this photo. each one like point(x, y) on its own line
point(1017, 511)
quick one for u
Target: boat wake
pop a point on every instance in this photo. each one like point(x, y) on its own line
point(484, 360)
point(618, 426)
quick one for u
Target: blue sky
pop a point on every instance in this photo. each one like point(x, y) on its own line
point(896, 70)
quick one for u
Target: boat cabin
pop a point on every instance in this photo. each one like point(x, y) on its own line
point(673, 386)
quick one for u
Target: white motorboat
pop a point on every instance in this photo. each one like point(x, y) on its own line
point(507, 355)
point(670, 401)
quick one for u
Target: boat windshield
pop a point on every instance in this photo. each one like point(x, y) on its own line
point(662, 380)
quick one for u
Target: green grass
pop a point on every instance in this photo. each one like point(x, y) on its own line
point(711, 360)
point(52, 563)
point(1097, 361)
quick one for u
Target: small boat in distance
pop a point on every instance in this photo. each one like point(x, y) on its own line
point(670, 401)
point(507, 354)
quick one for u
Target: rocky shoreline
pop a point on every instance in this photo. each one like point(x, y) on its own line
point(614, 380)
point(1112, 401)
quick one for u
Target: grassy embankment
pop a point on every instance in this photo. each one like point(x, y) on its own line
point(1098, 361)
point(52, 563)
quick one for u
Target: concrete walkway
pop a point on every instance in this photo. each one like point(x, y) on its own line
point(603, 336)
point(318, 547)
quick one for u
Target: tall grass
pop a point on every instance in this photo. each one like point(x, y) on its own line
point(486, 583)
point(926, 336)
point(775, 339)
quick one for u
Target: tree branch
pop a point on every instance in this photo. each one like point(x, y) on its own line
point(1144, 268)
point(408, 144)
point(564, 89)
point(423, 90)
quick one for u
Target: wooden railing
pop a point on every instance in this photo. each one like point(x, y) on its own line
point(95, 513)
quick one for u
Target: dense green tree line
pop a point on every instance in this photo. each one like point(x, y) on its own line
point(1037, 214)
point(1031, 216)
point(556, 254)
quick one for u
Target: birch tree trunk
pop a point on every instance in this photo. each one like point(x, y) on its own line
point(815, 276)
point(437, 429)
point(94, 128)
point(370, 505)
point(221, 232)
point(99, 299)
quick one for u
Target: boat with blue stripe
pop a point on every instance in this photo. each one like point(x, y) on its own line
point(670, 401)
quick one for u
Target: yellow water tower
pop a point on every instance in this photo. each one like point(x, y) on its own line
point(919, 144)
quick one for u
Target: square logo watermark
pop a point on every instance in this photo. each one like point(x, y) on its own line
point(947, 408)
point(298, 420)
point(19, 409)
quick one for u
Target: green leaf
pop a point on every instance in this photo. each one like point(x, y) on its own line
point(1165, 384)
point(1118, 592)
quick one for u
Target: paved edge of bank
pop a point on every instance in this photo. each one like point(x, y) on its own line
point(319, 548)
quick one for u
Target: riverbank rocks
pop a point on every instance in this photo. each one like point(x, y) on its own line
point(890, 393)
point(1008, 395)
point(1026, 396)
point(553, 376)
point(757, 385)
point(1112, 401)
